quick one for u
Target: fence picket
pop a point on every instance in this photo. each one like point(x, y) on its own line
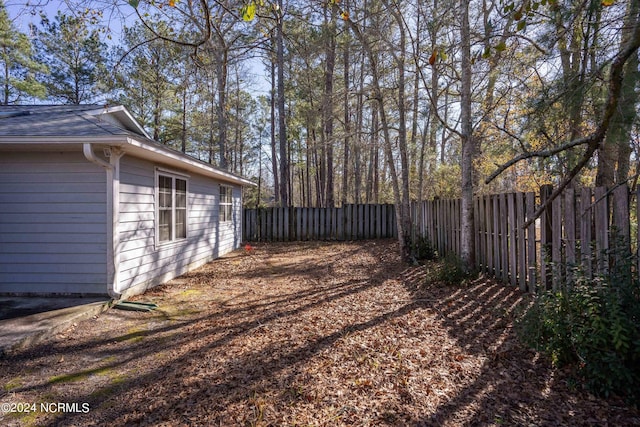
point(601, 219)
point(570, 233)
point(511, 228)
point(556, 242)
point(504, 242)
point(489, 223)
point(521, 241)
point(586, 215)
point(532, 259)
point(545, 237)
point(496, 236)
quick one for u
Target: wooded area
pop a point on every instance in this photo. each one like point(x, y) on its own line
point(331, 103)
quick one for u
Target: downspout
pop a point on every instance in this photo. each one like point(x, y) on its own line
point(112, 168)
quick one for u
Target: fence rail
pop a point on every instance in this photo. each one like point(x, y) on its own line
point(590, 228)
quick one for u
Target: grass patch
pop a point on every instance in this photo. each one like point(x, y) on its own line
point(116, 379)
point(189, 293)
point(82, 375)
point(12, 384)
point(133, 335)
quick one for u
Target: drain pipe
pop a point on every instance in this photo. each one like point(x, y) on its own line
point(112, 168)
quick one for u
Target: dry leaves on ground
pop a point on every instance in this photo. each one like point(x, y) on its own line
point(320, 334)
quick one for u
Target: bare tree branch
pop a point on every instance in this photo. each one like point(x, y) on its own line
point(195, 45)
point(594, 140)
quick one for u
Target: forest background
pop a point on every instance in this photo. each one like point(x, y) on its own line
point(326, 103)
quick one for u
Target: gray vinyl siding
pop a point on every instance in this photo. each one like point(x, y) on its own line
point(52, 224)
point(230, 231)
point(144, 262)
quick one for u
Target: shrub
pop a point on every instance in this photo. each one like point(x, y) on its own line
point(593, 327)
point(453, 271)
point(423, 249)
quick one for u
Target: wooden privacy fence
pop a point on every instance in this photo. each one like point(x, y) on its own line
point(585, 228)
point(350, 222)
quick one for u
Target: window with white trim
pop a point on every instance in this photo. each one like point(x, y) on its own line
point(172, 207)
point(226, 203)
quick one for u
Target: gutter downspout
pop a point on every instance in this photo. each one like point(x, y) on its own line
point(112, 168)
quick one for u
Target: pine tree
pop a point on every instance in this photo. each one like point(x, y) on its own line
point(17, 63)
point(75, 57)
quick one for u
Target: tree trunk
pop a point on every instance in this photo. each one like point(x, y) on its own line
point(274, 157)
point(616, 148)
point(388, 145)
point(221, 107)
point(347, 124)
point(466, 218)
point(282, 128)
point(327, 104)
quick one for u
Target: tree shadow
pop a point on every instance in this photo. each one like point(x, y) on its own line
point(244, 359)
point(516, 385)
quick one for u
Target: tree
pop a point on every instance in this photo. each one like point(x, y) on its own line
point(589, 144)
point(614, 153)
point(18, 64)
point(146, 78)
point(468, 145)
point(75, 57)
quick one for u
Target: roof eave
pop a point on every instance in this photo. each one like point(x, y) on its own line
point(132, 146)
point(181, 160)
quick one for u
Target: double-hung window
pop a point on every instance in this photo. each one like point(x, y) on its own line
point(172, 207)
point(226, 203)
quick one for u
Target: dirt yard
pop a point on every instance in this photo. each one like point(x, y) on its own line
point(318, 334)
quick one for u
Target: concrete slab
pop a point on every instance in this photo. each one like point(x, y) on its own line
point(25, 321)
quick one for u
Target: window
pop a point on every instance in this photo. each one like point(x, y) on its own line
point(226, 203)
point(172, 208)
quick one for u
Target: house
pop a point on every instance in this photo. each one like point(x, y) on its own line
point(90, 205)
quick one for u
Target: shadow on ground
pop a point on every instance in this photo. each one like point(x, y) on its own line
point(308, 333)
point(12, 307)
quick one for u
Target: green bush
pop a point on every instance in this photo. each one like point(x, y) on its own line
point(592, 326)
point(423, 249)
point(453, 271)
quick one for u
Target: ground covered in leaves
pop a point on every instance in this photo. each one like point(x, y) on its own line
point(320, 334)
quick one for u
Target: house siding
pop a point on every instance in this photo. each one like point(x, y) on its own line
point(53, 214)
point(143, 262)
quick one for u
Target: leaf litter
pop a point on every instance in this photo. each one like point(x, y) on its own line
point(304, 334)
